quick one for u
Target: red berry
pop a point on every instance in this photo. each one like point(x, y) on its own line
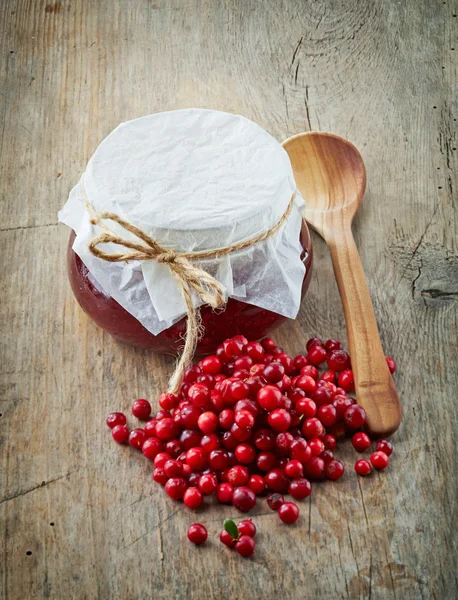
point(168, 401)
point(355, 416)
point(264, 439)
point(120, 434)
point(273, 372)
point(160, 459)
point(255, 351)
point(266, 461)
point(150, 428)
point(256, 483)
point(316, 446)
point(151, 448)
point(276, 480)
point(306, 407)
point(306, 384)
point(172, 468)
point(317, 355)
point(330, 441)
point(193, 498)
point(175, 488)
point(301, 451)
point(244, 419)
point(316, 341)
point(137, 438)
point(224, 493)
point(346, 380)
point(313, 428)
point(361, 441)
point(238, 475)
point(208, 422)
point(289, 512)
point(300, 488)
point(379, 460)
point(334, 470)
point(218, 459)
point(327, 414)
point(208, 484)
point(275, 501)
point(309, 371)
point(269, 397)
point(244, 499)
point(328, 376)
point(227, 539)
point(331, 345)
point(211, 365)
point(232, 348)
point(192, 373)
point(315, 468)
point(294, 469)
point(166, 429)
point(283, 443)
point(280, 420)
point(327, 456)
point(363, 467)
point(391, 364)
point(114, 419)
point(246, 527)
point(141, 409)
point(197, 534)
point(245, 454)
point(384, 446)
point(190, 438)
point(245, 546)
point(338, 360)
point(159, 476)
point(199, 394)
point(323, 394)
point(189, 416)
point(209, 443)
point(226, 418)
point(196, 459)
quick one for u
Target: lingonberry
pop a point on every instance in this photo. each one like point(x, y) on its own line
point(248, 405)
point(331, 345)
point(120, 434)
point(294, 469)
point(232, 348)
point(254, 385)
point(379, 460)
point(174, 448)
point(309, 371)
point(341, 403)
point(273, 372)
point(245, 546)
point(306, 407)
point(328, 376)
point(306, 384)
point(346, 380)
point(226, 418)
point(228, 441)
point(141, 409)
point(327, 414)
point(391, 364)
point(288, 511)
point(239, 434)
point(269, 397)
point(208, 484)
point(384, 446)
point(137, 438)
point(276, 480)
point(176, 487)
point(316, 446)
point(300, 488)
point(255, 351)
point(317, 355)
point(160, 459)
point(246, 527)
point(199, 394)
point(159, 476)
point(283, 443)
point(244, 419)
point(151, 448)
point(208, 381)
point(239, 390)
point(211, 365)
point(264, 439)
point(355, 416)
point(363, 467)
point(256, 483)
point(334, 470)
point(329, 441)
point(218, 459)
point(114, 419)
point(275, 501)
point(245, 454)
point(166, 429)
point(173, 468)
point(190, 438)
point(360, 441)
point(189, 416)
point(315, 341)
point(209, 442)
point(243, 498)
point(327, 456)
point(279, 420)
point(313, 428)
point(168, 401)
point(323, 394)
point(266, 461)
point(150, 427)
point(193, 498)
point(197, 534)
point(224, 493)
point(315, 468)
point(208, 422)
point(192, 373)
point(238, 475)
point(301, 451)
point(196, 459)
point(227, 539)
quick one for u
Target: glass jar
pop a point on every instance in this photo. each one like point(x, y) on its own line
point(237, 317)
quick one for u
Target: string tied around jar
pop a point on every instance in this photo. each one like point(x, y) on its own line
point(188, 276)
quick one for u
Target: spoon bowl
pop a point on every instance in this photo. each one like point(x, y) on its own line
point(330, 174)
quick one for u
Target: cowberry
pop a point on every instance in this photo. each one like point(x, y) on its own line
point(334, 470)
point(256, 483)
point(244, 419)
point(238, 475)
point(273, 372)
point(317, 355)
point(208, 422)
point(227, 539)
point(245, 546)
point(120, 434)
point(172, 468)
point(306, 407)
point(266, 461)
point(269, 397)
point(288, 512)
point(193, 498)
point(315, 341)
point(218, 459)
point(327, 414)
point(151, 448)
point(196, 459)
point(355, 416)
point(360, 441)
point(384, 446)
point(391, 364)
point(264, 439)
point(331, 345)
point(346, 380)
point(197, 534)
point(379, 460)
point(279, 420)
point(300, 488)
point(313, 428)
point(275, 501)
point(224, 493)
point(338, 360)
point(211, 365)
point(114, 419)
point(208, 484)
point(255, 351)
point(246, 527)
point(243, 498)
point(363, 467)
point(276, 480)
point(141, 409)
point(307, 384)
point(294, 469)
point(245, 453)
point(316, 446)
point(166, 429)
point(301, 451)
point(137, 438)
point(176, 487)
point(315, 468)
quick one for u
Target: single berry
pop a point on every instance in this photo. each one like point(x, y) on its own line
point(317, 355)
point(288, 512)
point(294, 469)
point(264, 439)
point(306, 407)
point(208, 422)
point(313, 428)
point(120, 434)
point(332, 345)
point(175, 488)
point(137, 438)
point(211, 365)
point(166, 429)
point(391, 364)
point(218, 459)
point(114, 419)
point(269, 397)
point(244, 499)
point(330, 442)
point(316, 446)
point(300, 488)
point(196, 459)
point(275, 501)
point(379, 460)
point(301, 451)
point(159, 476)
point(224, 493)
point(276, 480)
point(160, 459)
point(355, 416)
point(151, 448)
point(193, 498)
point(338, 360)
point(327, 414)
point(328, 376)
point(246, 527)
point(346, 380)
point(141, 409)
point(197, 534)
point(384, 446)
point(316, 341)
point(244, 419)
point(334, 470)
point(172, 468)
point(208, 484)
point(256, 483)
point(273, 372)
point(168, 401)
point(245, 546)
point(363, 467)
point(361, 441)
point(280, 420)
point(227, 539)
point(238, 475)
point(245, 453)
point(315, 468)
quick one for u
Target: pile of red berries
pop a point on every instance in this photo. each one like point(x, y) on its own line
point(252, 419)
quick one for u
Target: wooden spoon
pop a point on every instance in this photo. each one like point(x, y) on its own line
point(331, 176)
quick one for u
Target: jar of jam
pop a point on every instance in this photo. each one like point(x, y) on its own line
point(193, 180)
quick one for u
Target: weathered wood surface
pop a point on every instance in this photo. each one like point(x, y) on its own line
point(81, 518)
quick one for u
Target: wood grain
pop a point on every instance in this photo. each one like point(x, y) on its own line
point(381, 74)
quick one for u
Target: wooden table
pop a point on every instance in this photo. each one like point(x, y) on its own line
point(80, 517)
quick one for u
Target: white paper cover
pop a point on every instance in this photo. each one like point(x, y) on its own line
point(194, 180)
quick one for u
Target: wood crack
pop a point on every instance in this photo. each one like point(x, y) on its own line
point(296, 50)
point(29, 227)
point(36, 487)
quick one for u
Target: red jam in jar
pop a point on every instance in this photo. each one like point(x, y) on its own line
point(237, 317)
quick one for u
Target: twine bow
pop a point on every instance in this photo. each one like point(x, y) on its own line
point(188, 275)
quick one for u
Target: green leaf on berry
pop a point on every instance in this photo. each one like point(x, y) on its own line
point(231, 528)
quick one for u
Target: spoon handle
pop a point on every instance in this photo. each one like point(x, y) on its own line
point(375, 389)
